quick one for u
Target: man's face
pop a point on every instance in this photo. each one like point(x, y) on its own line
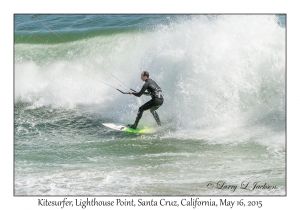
point(143, 77)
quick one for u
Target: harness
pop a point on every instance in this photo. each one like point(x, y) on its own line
point(158, 93)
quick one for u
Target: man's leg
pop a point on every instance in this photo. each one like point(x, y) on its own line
point(155, 115)
point(146, 106)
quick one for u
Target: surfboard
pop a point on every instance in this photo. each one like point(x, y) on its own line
point(124, 128)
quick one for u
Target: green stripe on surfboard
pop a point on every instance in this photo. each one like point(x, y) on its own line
point(126, 129)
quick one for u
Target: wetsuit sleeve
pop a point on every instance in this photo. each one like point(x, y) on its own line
point(146, 93)
point(138, 94)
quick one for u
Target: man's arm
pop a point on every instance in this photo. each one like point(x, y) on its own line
point(138, 94)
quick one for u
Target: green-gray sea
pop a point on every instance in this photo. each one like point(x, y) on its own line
point(223, 119)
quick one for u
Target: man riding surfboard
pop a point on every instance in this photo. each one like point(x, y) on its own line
point(150, 88)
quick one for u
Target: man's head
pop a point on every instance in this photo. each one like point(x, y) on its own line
point(145, 75)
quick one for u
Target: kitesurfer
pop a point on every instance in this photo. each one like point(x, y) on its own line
point(152, 89)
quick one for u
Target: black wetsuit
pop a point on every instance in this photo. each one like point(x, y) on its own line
point(157, 100)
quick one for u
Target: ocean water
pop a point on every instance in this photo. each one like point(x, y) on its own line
point(223, 118)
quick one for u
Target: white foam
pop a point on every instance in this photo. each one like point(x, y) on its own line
point(212, 71)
